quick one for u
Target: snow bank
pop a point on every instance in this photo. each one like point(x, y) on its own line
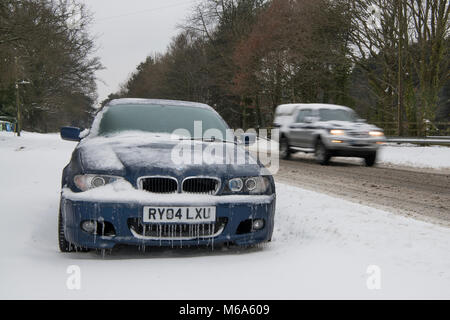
point(321, 248)
point(436, 157)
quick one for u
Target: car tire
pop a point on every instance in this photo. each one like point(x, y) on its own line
point(321, 153)
point(370, 159)
point(64, 245)
point(285, 151)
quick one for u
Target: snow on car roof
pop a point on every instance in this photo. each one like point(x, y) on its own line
point(285, 109)
point(290, 107)
point(159, 102)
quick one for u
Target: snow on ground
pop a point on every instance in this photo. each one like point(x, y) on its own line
point(435, 157)
point(409, 155)
point(322, 247)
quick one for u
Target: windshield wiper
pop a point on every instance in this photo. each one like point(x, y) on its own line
point(212, 139)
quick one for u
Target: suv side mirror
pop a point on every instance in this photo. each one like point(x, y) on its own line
point(70, 133)
point(309, 119)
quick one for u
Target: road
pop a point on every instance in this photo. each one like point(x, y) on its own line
point(413, 192)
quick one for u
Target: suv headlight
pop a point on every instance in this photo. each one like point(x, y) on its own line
point(337, 132)
point(248, 185)
point(376, 133)
point(90, 181)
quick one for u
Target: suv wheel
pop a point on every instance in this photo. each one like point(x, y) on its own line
point(64, 245)
point(285, 152)
point(370, 159)
point(321, 153)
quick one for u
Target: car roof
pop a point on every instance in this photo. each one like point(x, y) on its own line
point(284, 108)
point(124, 101)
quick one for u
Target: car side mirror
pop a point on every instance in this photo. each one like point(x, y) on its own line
point(309, 119)
point(249, 138)
point(70, 133)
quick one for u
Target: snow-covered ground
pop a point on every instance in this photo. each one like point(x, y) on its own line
point(408, 155)
point(322, 247)
point(435, 157)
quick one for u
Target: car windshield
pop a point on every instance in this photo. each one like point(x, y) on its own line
point(161, 119)
point(337, 114)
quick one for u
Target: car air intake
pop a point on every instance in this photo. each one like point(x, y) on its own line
point(201, 185)
point(159, 184)
point(183, 231)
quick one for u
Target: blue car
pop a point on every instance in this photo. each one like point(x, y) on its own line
point(162, 173)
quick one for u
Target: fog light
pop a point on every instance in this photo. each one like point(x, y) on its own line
point(336, 141)
point(89, 226)
point(258, 224)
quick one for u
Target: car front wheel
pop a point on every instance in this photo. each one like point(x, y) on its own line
point(285, 151)
point(64, 245)
point(321, 153)
point(370, 159)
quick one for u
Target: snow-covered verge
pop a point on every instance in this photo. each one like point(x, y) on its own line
point(321, 248)
point(435, 157)
point(408, 155)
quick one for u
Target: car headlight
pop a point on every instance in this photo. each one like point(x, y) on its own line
point(236, 184)
point(376, 133)
point(90, 181)
point(337, 132)
point(248, 185)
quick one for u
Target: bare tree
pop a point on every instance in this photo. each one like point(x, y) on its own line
point(297, 51)
point(408, 39)
point(46, 43)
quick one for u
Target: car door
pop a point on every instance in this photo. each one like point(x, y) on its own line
point(309, 129)
point(299, 129)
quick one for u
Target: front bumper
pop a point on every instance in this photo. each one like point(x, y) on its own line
point(352, 146)
point(118, 214)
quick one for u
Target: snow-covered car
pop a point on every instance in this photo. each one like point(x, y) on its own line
point(145, 174)
point(328, 131)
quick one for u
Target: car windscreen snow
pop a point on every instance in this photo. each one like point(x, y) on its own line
point(336, 114)
point(159, 119)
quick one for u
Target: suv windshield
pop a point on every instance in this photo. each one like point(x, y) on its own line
point(159, 119)
point(337, 114)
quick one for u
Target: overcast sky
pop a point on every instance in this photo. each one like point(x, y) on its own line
point(128, 31)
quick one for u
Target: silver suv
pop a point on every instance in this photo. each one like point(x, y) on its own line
point(326, 130)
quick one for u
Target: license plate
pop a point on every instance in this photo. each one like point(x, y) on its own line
point(358, 142)
point(179, 214)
